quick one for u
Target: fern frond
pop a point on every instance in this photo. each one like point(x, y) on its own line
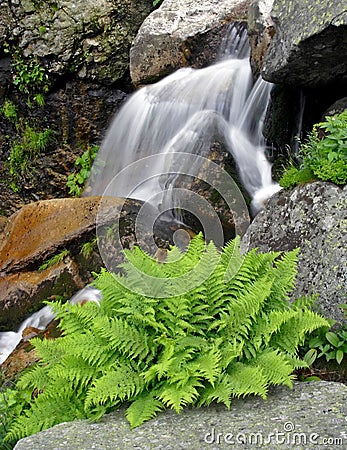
point(244, 309)
point(75, 318)
point(275, 366)
point(92, 348)
point(46, 411)
point(177, 396)
point(284, 275)
point(123, 338)
point(47, 350)
point(207, 365)
point(117, 385)
point(74, 370)
point(144, 408)
point(292, 332)
point(246, 380)
point(231, 350)
point(221, 392)
point(35, 377)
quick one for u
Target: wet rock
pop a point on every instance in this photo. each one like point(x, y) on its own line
point(181, 33)
point(310, 39)
point(78, 115)
point(336, 108)
point(305, 417)
point(37, 232)
point(312, 217)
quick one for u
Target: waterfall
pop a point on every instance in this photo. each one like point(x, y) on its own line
point(183, 113)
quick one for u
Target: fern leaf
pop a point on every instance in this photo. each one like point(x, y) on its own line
point(116, 386)
point(35, 377)
point(244, 309)
point(177, 396)
point(276, 367)
point(284, 275)
point(292, 332)
point(207, 365)
point(47, 350)
point(123, 338)
point(221, 393)
point(246, 380)
point(143, 408)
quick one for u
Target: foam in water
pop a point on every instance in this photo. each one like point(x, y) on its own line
point(184, 112)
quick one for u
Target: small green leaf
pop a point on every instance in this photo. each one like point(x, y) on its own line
point(310, 356)
point(339, 356)
point(332, 338)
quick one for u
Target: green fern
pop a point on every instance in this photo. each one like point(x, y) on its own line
point(232, 334)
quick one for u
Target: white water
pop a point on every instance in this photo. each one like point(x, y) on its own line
point(185, 112)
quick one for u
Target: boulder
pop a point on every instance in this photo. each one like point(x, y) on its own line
point(182, 33)
point(92, 37)
point(312, 217)
point(308, 416)
point(309, 46)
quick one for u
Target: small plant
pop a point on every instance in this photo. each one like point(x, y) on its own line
point(76, 181)
point(88, 247)
point(59, 257)
point(330, 344)
point(9, 110)
point(233, 335)
point(29, 75)
point(323, 157)
point(27, 149)
point(12, 404)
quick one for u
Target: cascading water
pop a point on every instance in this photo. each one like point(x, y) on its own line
point(183, 113)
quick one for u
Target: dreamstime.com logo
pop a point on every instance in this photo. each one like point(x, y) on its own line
point(156, 178)
point(287, 436)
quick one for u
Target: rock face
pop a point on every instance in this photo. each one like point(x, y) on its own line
point(309, 47)
point(261, 31)
point(90, 36)
point(305, 417)
point(75, 55)
point(182, 33)
point(312, 217)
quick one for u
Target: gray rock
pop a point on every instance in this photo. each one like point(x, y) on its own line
point(91, 36)
point(314, 218)
point(303, 50)
point(181, 33)
point(312, 415)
